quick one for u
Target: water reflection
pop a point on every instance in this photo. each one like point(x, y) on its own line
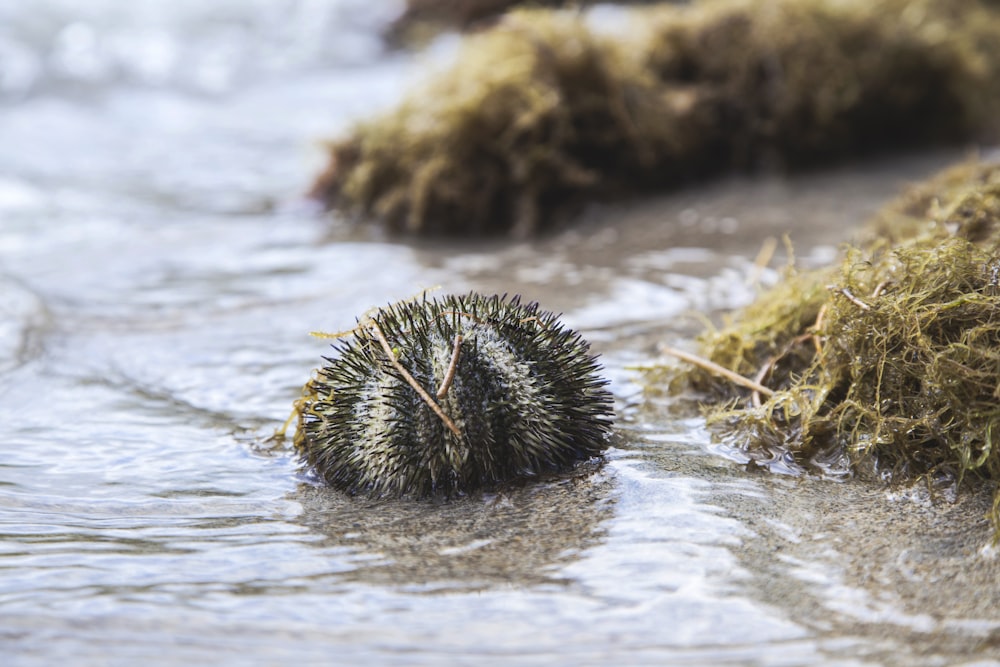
point(519, 536)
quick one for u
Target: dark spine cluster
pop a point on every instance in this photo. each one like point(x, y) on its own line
point(517, 394)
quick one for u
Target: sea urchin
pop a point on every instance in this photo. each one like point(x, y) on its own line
point(445, 396)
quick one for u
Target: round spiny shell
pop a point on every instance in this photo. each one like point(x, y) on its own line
point(524, 398)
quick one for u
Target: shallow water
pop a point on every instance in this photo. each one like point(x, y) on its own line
point(159, 275)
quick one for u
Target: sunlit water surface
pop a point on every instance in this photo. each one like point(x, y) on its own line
point(159, 275)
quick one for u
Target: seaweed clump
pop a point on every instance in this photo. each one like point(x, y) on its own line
point(444, 397)
point(889, 363)
point(541, 113)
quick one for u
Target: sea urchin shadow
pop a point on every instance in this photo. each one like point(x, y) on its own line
point(519, 537)
point(439, 397)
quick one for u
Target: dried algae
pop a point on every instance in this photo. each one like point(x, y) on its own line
point(889, 363)
point(541, 113)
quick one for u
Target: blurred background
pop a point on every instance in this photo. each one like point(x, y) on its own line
point(160, 270)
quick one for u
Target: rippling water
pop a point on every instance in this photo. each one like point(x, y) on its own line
point(159, 275)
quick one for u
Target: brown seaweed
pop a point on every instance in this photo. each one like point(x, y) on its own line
point(541, 114)
point(890, 361)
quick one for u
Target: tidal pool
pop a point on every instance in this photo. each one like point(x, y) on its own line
point(159, 277)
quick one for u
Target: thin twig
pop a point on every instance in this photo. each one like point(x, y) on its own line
point(325, 335)
point(759, 379)
point(817, 327)
point(715, 368)
point(462, 313)
point(811, 333)
point(846, 293)
point(412, 381)
point(452, 367)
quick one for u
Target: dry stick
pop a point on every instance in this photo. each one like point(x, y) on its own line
point(452, 367)
point(462, 313)
point(846, 293)
point(412, 381)
point(773, 361)
point(765, 369)
point(817, 327)
point(769, 366)
point(715, 368)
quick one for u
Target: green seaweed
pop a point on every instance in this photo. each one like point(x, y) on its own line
point(889, 362)
point(504, 136)
point(541, 114)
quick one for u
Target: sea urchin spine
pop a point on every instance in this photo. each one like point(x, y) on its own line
point(445, 396)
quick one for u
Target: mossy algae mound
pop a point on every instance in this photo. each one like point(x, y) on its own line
point(541, 113)
point(535, 111)
point(889, 363)
point(517, 395)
